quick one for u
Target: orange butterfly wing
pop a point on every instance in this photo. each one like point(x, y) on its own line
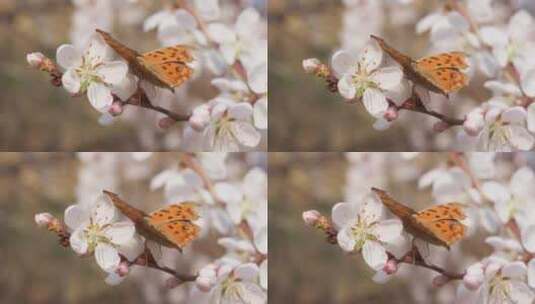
point(175, 223)
point(169, 65)
point(439, 73)
point(439, 225)
point(444, 70)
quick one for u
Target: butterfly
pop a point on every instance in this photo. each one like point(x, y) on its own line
point(171, 226)
point(165, 67)
point(439, 225)
point(441, 73)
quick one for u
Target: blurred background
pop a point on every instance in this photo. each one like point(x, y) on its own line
point(304, 116)
point(304, 268)
point(37, 270)
point(36, 116)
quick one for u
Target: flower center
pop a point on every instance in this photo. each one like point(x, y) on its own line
point(361, 81)
point(498, 133)
point(361, 233)
point(499, 289)
point(94, 235)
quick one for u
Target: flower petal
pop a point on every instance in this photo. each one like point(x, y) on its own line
point(514, 270)
point(103, 212)
point(240, 111)
point(374, 255)
point(528, 238)
point(99, 96)
point(344, 214)
point(531, 273)
point(346, 88)
point(78, 241)
point(388, 230)
point(107, 257)
point(245, 133)
point(531, 118)
point(68, 56)
point(371, 57)
point(113, 72)
point(387, 78)
point(120, 233)
point(342, 63)
point(520, 138)
point(260, 114)
point(71, 81)
point(528, 82)
point(247, 272)
point(345, 239)
point(375, 102)
point(75, 216)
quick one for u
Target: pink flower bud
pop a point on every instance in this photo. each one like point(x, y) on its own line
point(200, 118)
point(166, 123)
point(391, 114)
point(35, 59)
point(311, 64)
point(440, 280)
point(122, 269)
point(390, 267)
point(204, 283)
point(472, 282)
point(43, 219)
point(311, 217)
point(474, 122)
point(440, 126)
point(116, 108)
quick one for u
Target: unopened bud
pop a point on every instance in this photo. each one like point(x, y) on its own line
point(311, 217)
point(35, 59)
point(391, 114)
point(200, 118)
point(391, 267)
point(123, 269)
point(44, 219)
point(116, 108)
point(310, 65)
point(204, 283)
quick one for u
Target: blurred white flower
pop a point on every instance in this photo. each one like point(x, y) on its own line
point(362, 78)
point(360, 228)
point(505, 130)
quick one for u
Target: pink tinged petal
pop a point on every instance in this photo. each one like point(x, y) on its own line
point(387, 78)
point(375, 102)
point(247, 272)
point(528, 82)
point(343, 63)
point(528, 238)
point(78, 241)
point(531, 118)
point(531, 273)
point(346, 87)
point(260, 114)
point(68, 56)
point(374, 254)
point(113, 72)
point(345, 239)
point(388, 230)
point(371, 57)
point(107, 257)
point(240, 111)
point(515, 115)
point(120, 233)
point(343, 214)
point(71, 81)
point(520, 138)
point(245, 133)
point(514, 270)
point(99, 96)
point(75, 216)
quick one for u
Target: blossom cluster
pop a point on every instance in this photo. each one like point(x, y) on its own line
point(229, 42)
point(230, 195)
point(498, 40)
point(498, 195)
